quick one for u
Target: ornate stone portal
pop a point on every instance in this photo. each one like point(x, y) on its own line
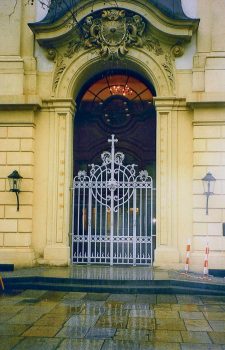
point(143, 40)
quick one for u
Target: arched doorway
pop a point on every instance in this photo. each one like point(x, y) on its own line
point(119, 103)
point(115, 103)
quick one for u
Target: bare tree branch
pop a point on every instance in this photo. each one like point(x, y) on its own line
point(13, 10)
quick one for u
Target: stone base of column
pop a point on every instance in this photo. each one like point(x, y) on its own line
point(57, 255)
point(167, 257)
point(20, 257)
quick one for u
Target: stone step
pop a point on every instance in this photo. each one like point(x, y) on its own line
point(107, 286)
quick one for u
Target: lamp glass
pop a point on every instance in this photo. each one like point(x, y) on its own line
point(15, 181)
point(208, 183)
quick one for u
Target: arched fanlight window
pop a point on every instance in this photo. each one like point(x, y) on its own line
point(116, 98)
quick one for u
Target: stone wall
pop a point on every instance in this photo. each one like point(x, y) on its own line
point(209, 156)
point(16, 153)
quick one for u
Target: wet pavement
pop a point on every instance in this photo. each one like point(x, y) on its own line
point(47, 320)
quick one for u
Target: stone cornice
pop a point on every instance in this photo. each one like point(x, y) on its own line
point(171, 103)
point(27, 102)
point(206, 99)
point(59, 105)
point(172, 30)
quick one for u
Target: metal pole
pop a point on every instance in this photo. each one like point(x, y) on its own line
point(112, 140)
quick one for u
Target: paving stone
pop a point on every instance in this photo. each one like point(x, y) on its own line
point(166, 298)
point(114, 305)
point(24, 318)
point(118, 312)
point(171, 324)
point(195, 337)
point(66, 309)
point(159, 346)
point(96, 296)
point(80, 344)
point(122, 298)
point(101, 333)
point(72, 303)
point(136, 306)
point(197, 325)
point(213, 299)
point(51, 321)
point(192, 315)
point(11, 309)
point(54, 296)
point(215, 316)
point(41, 331)
point(30, 293)
point(12, 329)
point(30, 301)
point(142, 313)
point(141, 323)
point(74, 295)
point(6, 317)
point(146, 298)
point(72, 332)
point(93, 303)
point(218, 326)
point(211, 307)
point(186, 307)
point(217, 337)
point(112, 322)
point(163, 307)
point(95, 310)
point(165, 336)
point(7, 343)
point(119, 345)
point(166, 314)
point(200, 347)
point(81, 320)
point(132, 334)
point(38, 344)
point(189, 299)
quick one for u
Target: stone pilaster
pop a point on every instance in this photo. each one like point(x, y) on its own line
point(57, 250)
point(168, 184)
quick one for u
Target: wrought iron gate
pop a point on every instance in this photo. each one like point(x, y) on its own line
point(112, 213)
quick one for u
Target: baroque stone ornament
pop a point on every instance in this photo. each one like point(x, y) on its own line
point(168, 66)
point(177, 50)
point(60, 67)
point(113, 32)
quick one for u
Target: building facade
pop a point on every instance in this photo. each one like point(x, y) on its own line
point(47, 64)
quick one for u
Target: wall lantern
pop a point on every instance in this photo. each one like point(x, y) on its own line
point(14, 184)
point(208, 184)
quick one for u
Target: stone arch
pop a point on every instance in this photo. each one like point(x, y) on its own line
point(82, 68)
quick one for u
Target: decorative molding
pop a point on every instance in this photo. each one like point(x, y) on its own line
point(177, 50)
point(112, 33)
point(51, 54)
point(60, 67)
point(169, 68)
point(153, 45)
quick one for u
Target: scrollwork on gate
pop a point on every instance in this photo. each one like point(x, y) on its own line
point(113, 183)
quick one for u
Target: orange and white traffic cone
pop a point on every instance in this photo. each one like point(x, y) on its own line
point(188, 249)
point(206, 260)
point(2, 284)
